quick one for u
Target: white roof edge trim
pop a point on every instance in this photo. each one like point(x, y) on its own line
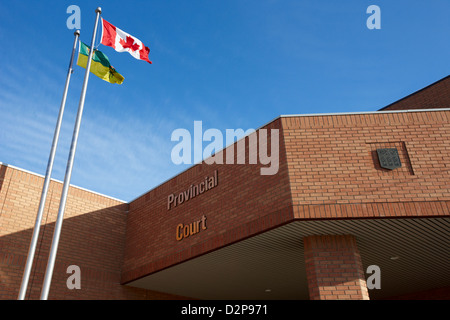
point(359, 112)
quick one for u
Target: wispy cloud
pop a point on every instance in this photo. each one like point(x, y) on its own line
point(122, 158)
point(118, 156)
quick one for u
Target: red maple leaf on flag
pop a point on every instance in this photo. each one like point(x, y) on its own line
point(129, 44)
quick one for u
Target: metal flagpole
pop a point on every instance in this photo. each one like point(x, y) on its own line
point(37, 226)
point(62, 204)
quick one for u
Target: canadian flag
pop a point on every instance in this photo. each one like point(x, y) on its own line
point(123, 42)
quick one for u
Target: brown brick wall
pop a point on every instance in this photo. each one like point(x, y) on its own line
point(334, 172)
point(334, 269)
point(92, 237)
point(243, 204)
point(327, 170)
point(434, 96)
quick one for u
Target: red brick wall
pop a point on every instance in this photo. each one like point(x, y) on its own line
point(434, 96)
point(327, 170)
point(334, 170)
point(334, 269)
point(243, 204)
point(92, 237)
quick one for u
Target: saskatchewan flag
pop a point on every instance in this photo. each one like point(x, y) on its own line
point(100, 65)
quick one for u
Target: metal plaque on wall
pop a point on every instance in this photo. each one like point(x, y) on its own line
point(389, 158)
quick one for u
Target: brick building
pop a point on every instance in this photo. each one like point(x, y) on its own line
point(224, 231)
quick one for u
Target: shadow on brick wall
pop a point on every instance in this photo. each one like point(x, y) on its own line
point(3, 169)
point(93, 241)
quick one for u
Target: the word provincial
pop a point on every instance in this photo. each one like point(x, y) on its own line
point(208, 183)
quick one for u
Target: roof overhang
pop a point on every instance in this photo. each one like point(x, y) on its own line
point(412, 253)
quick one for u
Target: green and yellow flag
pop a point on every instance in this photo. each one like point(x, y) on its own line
point(100, 65)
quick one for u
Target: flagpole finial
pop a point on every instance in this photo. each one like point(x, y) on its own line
point(77, 33)
point(99, 10)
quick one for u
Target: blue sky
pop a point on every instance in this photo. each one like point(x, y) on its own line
point(229, 63)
